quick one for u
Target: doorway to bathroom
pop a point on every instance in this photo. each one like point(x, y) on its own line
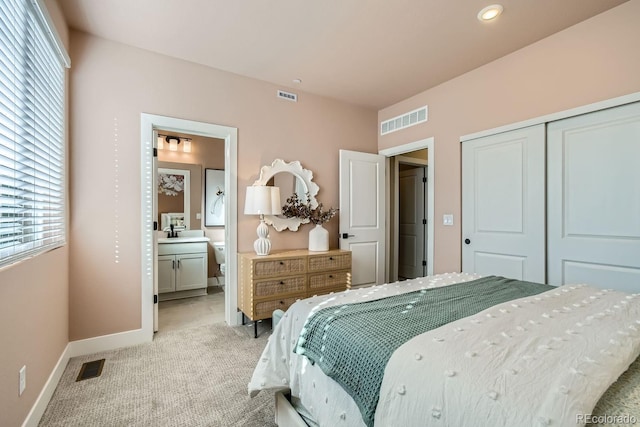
point(190, 205)
point(181, 143)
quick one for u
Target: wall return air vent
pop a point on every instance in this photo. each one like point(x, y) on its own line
point(287, 95)
point(406, 120)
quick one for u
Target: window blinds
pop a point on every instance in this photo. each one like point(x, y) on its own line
point(32, 204)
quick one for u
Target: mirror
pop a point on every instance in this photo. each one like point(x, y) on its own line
point(174, 191)
point(291, 178)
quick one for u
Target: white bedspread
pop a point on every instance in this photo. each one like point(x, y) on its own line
point(531, 362)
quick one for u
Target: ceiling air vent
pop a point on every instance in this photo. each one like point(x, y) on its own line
point(287, 95)
point(404, 121)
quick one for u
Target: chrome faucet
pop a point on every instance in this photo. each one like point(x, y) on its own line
point(172, 233)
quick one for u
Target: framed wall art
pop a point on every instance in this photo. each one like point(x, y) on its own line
point(214, 197)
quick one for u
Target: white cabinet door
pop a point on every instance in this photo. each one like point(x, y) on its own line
point(362, 215)
point(594, 199)
point(503, 204)
point(166, 273)
point(191, 271)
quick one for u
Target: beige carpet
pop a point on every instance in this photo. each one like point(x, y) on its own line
point(190, 377)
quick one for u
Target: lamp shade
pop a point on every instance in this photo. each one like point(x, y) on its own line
point(262, 199)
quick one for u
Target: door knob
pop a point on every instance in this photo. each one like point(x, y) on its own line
point(346, 235)
point(467, 241)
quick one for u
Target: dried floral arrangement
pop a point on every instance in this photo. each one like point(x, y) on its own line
point(297, 208)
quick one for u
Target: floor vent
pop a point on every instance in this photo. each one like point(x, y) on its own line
point(90, 370)
point(411, 118)
point(287, 95)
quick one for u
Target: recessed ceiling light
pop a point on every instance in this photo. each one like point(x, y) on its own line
point(297, 81)
point(490, 12)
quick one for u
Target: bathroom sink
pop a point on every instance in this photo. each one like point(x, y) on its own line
point(186, 236)
point(182, 239)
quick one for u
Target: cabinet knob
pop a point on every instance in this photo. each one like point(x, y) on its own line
point(281, 302)
point(467, 241)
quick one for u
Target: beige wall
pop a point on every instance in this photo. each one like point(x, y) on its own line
point(111, 84)
point(33, 315)
point(595, 60)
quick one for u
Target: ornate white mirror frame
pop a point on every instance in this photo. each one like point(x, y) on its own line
point(305, 176)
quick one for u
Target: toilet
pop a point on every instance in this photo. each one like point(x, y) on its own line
point(218, 250)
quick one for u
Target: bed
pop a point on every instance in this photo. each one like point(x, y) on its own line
point(542, 358)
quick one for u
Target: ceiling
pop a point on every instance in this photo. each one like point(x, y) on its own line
point(372, 53)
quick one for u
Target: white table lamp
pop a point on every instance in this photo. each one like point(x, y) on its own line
point(262, 200)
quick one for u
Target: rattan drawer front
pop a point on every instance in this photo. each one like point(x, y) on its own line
point(329, 262)
point(264, 309)
point(328, 280)
point(286, 285)
point(279, 267)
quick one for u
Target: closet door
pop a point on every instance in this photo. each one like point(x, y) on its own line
point(503, 204)
point(593, 192)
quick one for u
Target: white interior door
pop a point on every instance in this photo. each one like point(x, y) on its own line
point(362, 215)
point(412, 223)
point(594, 199)
point(503, 204)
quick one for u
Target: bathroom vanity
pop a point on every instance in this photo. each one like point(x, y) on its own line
point(182, 267)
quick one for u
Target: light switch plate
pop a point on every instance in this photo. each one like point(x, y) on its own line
point(198, 215)
point(447, 219)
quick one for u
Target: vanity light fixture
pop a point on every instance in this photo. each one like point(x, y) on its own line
point(173, 141)
point(262, 200)
point(490, 13)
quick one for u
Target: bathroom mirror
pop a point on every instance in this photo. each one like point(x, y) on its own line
point(291, 178)
point(174, 191)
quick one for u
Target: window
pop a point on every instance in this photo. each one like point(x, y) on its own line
point(32, 199)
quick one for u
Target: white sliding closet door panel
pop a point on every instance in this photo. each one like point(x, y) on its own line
point(503, 204)
point(594, 199)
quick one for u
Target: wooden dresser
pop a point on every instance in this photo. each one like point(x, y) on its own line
point(277, 280)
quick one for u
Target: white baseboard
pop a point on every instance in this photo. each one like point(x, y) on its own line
point(80, 348)
point(38, 408)
point(108, 342)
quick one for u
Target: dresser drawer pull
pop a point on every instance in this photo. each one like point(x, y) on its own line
point(281, 302)
point(331, 276)
point(281, 282)
point(330, 258)
point(281, 263)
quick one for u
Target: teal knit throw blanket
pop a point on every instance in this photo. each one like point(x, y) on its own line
point(352, 343)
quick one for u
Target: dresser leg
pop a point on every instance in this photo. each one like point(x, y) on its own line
point(243, 321)
point(255, 329)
